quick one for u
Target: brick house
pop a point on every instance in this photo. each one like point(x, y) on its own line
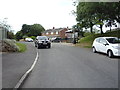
point(53, 33)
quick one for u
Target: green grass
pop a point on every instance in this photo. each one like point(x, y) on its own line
point(88, 40)
point(22, 47)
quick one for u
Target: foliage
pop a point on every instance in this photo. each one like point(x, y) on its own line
point(22, 47)
point(29, 30)
point(19, 35)
point(9, 45)
point(96, 13)
point(90, 38)
point(87, 34)
point(10, 35)
point(33, 37)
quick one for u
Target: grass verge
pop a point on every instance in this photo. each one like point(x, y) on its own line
point(22, 47)
point(87, 41)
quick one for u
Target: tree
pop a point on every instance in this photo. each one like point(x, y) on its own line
point(112, 11)
point(25, 29)
point(85, 15)
point(10, 35)
point(19, 35)
point(29, 30)
point(35, 30)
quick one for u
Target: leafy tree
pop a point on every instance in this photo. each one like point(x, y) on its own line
point(29, 30)
point(19, 35)
point(96, 13)
point(10, 35)
point(85, 15)
point(35, 30)
point(25, 29)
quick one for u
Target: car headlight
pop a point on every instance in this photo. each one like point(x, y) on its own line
point(116, 47)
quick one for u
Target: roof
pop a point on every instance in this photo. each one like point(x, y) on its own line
point(53, 30)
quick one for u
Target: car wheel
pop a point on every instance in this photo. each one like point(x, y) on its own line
point(38, 46)
point(49, 46)
point(94, 50)
point(110, 54)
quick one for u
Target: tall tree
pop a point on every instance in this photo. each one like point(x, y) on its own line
point(35, 30)
point(19, 35)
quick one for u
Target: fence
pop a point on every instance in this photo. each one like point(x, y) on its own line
point(3, 33)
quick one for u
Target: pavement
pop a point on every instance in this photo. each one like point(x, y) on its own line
point(14, 65)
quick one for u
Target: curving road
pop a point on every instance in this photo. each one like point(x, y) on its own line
point(66, 66)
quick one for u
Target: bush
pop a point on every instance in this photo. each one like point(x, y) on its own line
point(9, 46)
point(87, 34)
point(33, 37)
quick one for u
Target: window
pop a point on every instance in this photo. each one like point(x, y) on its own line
point(97, 40)
point(56, 32)
point(103, 41)
point(47, 33)
point(52, 33)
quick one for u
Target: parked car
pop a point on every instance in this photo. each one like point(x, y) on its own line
point(107, 45)
point(28, 39)
point(56, 39)
point(42, 41)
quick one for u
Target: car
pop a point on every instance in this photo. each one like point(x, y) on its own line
point(42, 41)
point(28, 39)
point(107, 45)
point(56, 40)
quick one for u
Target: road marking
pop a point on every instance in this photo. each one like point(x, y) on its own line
point(26, 74)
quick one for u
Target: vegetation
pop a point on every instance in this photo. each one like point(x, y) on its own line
point(29, 31)
point(22, 47)
point(88, 40)
point(10, 35)
point(89, 14)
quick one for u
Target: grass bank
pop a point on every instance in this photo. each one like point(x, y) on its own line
point(22, 47)
point(87, 41)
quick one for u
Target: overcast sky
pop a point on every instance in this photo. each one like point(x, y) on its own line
point(48, 13)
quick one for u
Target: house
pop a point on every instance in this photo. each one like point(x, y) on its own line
point(55, 33)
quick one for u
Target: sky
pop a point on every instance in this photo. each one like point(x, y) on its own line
point(48, 13)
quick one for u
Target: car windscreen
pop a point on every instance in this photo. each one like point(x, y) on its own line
point(113, 40)
point(42, 38)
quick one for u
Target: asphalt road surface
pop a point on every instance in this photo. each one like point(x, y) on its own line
point(65, 66)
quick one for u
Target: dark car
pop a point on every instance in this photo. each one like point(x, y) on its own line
point(56, 40)
point(42, 41)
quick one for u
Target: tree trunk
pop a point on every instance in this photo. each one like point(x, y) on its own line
point(110, 28)
point(91, 27)
point(101, 29)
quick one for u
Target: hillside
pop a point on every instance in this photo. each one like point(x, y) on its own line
point(88, 40)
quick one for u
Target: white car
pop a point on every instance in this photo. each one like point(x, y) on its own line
point(28, 39)
point(107, 45)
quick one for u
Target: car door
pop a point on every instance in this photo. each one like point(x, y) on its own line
point(102, 45)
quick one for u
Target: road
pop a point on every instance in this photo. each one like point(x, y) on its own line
point(14, 65)
point(65, 66)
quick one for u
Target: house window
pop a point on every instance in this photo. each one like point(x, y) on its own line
point(47, 33)
point(51, 33)
point(56, 32)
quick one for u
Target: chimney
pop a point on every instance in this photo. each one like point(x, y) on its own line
point(53, 27)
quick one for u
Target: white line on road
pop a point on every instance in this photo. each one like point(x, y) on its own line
point(26, 74)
